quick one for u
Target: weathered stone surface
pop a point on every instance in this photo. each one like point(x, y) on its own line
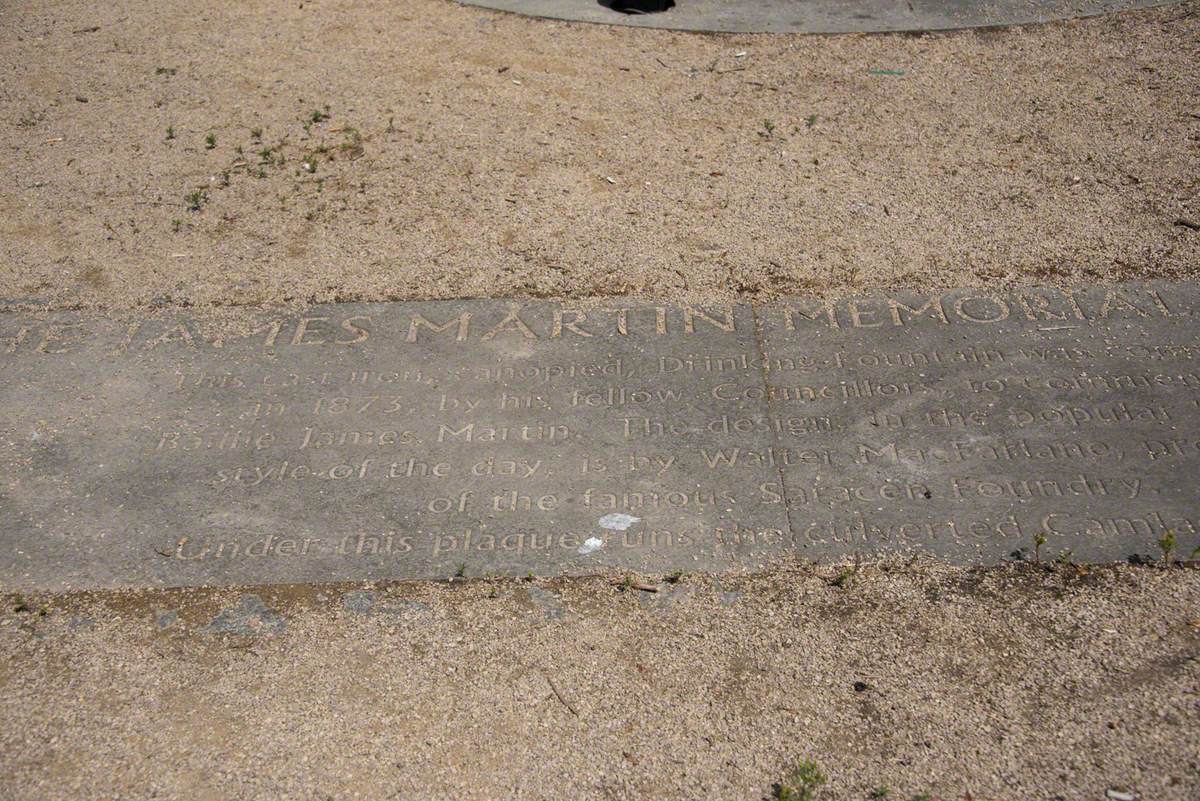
point(822, 16)
point(384, 441)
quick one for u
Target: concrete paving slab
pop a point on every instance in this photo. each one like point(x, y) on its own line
point(427, 440)
point(822, 16)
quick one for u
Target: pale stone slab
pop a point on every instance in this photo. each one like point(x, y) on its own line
point(822, 16)
point(967, 427)
point(415, 440)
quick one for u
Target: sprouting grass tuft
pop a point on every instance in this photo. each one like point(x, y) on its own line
point(1166, 544)
point(195, 199)
point(801, 783)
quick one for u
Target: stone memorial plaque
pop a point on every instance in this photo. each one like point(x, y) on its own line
point(424, 440)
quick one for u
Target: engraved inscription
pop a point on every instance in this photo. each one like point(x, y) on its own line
point(409, 440)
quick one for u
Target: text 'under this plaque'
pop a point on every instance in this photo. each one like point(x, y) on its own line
point(409, 440)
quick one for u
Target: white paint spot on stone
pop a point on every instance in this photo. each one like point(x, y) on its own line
point(591, 544)
point(618, 522)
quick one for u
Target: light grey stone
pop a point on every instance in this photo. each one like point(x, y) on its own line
point(822, 16)
point(362, 442)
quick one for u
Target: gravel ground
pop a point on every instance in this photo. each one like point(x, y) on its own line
point(209, 154)
point(1010, 683)
point(421, 149)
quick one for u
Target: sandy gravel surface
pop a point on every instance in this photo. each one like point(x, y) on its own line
point(420, 149)
point(927, 681)
point(207, 153)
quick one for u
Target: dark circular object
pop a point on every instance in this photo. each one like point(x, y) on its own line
point(638, 6)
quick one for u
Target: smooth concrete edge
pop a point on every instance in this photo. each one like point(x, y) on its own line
point(762, 18)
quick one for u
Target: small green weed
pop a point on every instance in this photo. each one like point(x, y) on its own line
point(195, 199)
point(351, 147)
point(1166, 544)
point(842, 578)
point(801, 784)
